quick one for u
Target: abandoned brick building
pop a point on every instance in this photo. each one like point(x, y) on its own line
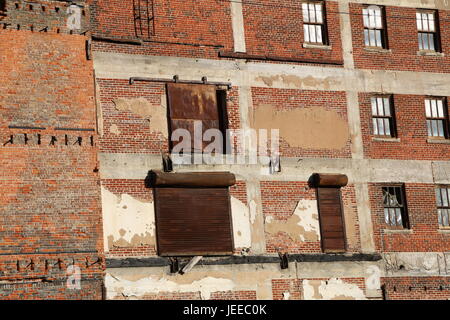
point(355, 204)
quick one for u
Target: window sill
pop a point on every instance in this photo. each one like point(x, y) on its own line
point(400, 231)
point(377, 50)
point(316, 46)
point(430, 53)
point(444, 230)
point(386, 139)
point(438, 141)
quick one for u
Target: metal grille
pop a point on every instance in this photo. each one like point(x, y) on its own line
point(443, 205)
point(144, 20)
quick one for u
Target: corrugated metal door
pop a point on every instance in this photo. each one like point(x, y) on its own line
point(191, 102)
point(193, 221)
point(331, 220)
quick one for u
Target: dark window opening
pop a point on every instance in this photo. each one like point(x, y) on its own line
point(443, 205)
point(394, 203)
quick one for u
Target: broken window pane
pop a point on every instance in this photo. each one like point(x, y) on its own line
point(394, 209)
point(382, 116)
point(443, 205)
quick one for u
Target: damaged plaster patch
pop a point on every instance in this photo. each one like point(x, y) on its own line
point(333, 289)
point(155, 114)
point(301, 127)
point(308, 82)
point(241, 224)
point(154, 285)
point(303, 225)
point(127, 222)
point(114, 129)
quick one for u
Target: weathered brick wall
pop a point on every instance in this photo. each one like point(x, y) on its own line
point(275, 28)
point(181, 28)
point(412, 141)
point(50, 199)
point(416, 288)
point(311, 114)
point(425, 234)
point(285, 234)
point(403, 43)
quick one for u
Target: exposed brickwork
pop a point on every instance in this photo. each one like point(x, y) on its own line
point(181, 28)
point(286, 289)
point(403, 43)
point(50, 197)
point(424, 235)
point(275, 27)
point(417, 288)
point(279, 200)
point(411, 128)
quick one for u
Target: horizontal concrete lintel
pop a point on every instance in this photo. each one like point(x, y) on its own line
point(161, 262)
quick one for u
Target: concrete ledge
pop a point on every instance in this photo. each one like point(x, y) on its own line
point(161, 262)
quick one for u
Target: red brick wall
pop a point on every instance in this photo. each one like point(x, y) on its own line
point(422, 213)
point(275, 27)
point(49, 195)
point(417, 288)
point(182, 28)
point(291, 286)
point(403, 42)
point(290, 100)
point(279, 200)
point(411, 130)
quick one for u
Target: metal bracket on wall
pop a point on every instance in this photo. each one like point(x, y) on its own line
point(176, 79)
point(191, 264)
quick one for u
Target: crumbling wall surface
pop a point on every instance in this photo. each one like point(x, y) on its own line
point(179, 28)
point(246, 281)
point(51, 226)
point(291, 217)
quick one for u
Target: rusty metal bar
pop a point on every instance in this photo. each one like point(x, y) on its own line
point(236, 55)
point(176, 80)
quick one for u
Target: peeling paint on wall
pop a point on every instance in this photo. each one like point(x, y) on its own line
point(303, 225)
point(241, 224)
point(155, 114)
point(154, 285)
point(301, 127)
point(308, 82)
point(127, 221)
point(333, 289)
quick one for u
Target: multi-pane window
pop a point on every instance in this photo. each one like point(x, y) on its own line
point(427, 30)
point(394, 206)
point(382, 117)
point(443, 205)
point(314, 22)
point(436, 115)
point(374, 27)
